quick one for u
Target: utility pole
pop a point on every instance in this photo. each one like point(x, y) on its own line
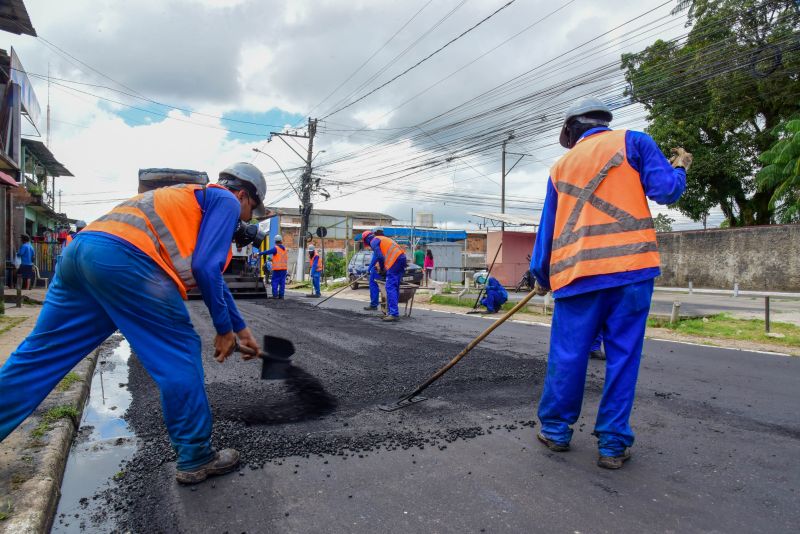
point(306, 188)
point(503, 182)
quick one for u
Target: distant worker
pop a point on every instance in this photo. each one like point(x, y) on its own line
point(130, 270)
point(391, 259)
point(596, 250)
point(496, 295)
point(428, 266)
point(596, 351)
point(26, 255)
point(315, 267)
point(280, 264)
point(79, 225)
point(374, 290)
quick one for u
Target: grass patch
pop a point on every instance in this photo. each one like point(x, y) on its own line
point(6, 509)
point(337, 285)
point(726, 327)
point(468, 301)
point(7, 322)
point(51, 416)
point(68, 380)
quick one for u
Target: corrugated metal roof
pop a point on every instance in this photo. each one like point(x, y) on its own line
point(336, 213)
point(516, 220)
point(43, 154)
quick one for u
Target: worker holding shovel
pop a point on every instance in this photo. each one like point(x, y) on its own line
point(130, 270)
point(391, 259)
point(596, 250)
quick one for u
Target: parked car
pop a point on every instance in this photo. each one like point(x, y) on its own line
point(359, 264)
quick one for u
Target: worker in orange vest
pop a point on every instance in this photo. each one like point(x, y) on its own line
point(391, 258)
point(130, 270)
point(280, 264)
point(315, 268)
point(596, 250)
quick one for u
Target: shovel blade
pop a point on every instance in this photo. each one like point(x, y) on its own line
point(276, 360)
point(402, 403)
point(278, 347)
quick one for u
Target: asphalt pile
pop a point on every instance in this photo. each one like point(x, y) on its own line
point(345, 366)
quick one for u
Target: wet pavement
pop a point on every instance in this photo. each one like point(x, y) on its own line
point(717, 437)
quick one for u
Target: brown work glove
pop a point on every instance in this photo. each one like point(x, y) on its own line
point(540, 290)
point(681, 158)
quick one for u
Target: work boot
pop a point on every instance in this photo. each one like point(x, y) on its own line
point(370, 308)
point(597, 355)
point(552, 445)
point(390, 318)
point(614, 462)
point(224, 461)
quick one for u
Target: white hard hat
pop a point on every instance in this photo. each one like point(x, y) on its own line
point(249, 173)
point(80, 224)
point(584, 106)
point(279, 238)
point(311, 248)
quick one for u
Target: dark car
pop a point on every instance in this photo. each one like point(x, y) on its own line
point(359, 264)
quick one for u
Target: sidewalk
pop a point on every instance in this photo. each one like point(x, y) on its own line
point(33, 457)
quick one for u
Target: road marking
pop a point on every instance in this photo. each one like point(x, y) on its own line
point(718, 347)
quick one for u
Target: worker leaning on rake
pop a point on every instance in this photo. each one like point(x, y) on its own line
point(596, 250)
point(130, 270)
point(391, 258)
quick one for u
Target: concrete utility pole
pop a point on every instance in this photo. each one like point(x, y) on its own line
point(306, 188)
point(503, 182)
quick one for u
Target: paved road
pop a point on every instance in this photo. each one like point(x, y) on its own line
point(716, 451)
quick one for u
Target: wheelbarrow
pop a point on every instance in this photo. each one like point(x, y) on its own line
point(407, 293)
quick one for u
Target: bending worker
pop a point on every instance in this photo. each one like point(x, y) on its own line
point(596, 250)
point(391, 259)
point(496, 295)
point(130, 270)
point(374, 291)
point(315, 267)
point(280, 263)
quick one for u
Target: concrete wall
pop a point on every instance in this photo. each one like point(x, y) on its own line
point(512, 262)
point(757, 258)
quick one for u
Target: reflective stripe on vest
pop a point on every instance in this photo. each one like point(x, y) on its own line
point(319, 264)
point(390, 250)
point(163, 223)
point(280, 260)
point(603, 223)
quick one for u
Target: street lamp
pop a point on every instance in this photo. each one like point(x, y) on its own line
point(281, 169)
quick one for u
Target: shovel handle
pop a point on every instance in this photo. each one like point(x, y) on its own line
point(472, 344)
point(340, 290)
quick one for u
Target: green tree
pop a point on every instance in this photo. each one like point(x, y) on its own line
point(335, 265)
point(720, 95)
point(663, 222)
point(781, 173)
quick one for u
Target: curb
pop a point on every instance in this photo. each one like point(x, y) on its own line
point(36, 500)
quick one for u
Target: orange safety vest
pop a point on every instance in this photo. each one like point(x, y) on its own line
point(390, 250)
point(603, 223)
point(311, 262)
point(163, 223)
point(280, 260)
point(67, 240)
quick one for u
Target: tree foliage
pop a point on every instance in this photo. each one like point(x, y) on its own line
point(720, 95)
point(781, 172)
point(663, 222)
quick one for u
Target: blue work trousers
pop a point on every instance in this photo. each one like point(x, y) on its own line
point(620, 315)
point(394, 275)
point(494, 300)
point(102, 285)
point(374, 291)
point(597, 343)
point(278, 283)
point(315, 280)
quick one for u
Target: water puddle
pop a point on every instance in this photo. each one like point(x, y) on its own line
point(104, 442)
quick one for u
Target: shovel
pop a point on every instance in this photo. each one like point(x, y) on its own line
point(276, 358)
point(414, 397)
point(475, 309)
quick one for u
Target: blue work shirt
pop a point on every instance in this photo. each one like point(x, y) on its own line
point(315, 264)
point(221, 211)
point(273, 250)
point(661, 184)
point(26, 254)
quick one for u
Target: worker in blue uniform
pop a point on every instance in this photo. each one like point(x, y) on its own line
point(496, 295)
point(315, 268)
point(596, 249)
point(374, 291)
point(129, 271)
point(389, 258)
point(596, 350)
point(279, 267)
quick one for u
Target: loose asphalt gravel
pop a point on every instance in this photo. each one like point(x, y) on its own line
point(716, 451)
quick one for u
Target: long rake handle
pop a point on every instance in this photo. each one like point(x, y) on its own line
point(342, 289)
point(472, 345)
point(477, 300)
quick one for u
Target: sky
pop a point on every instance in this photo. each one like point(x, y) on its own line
point(199, 84)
